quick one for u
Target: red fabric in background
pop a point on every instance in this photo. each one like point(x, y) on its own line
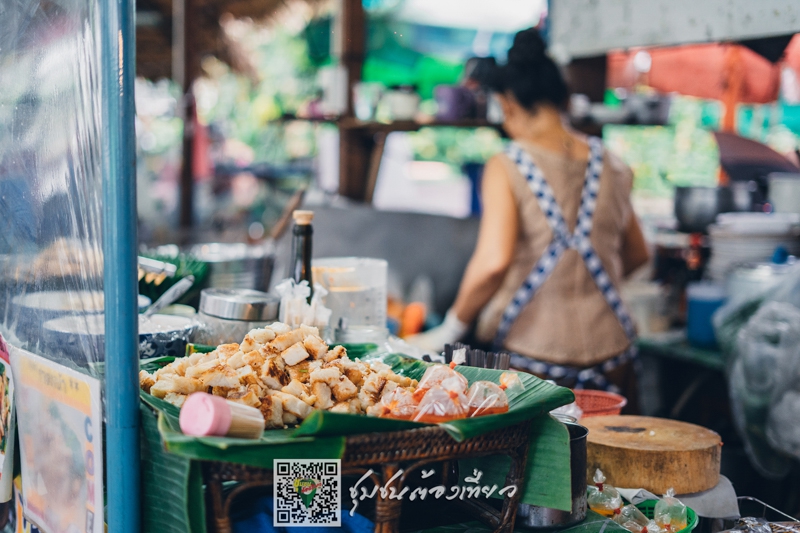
point(699, 70)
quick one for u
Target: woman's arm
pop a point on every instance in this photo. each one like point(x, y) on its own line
point(494, 250)
point(634, 248)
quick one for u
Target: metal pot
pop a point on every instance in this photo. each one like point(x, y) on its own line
point(543, 517)
point(236, 265)
point(697, 207)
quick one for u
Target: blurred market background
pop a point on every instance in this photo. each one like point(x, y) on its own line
point(266, 90)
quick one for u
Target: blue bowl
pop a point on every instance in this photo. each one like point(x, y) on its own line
point(81, 338)
point(144, 303)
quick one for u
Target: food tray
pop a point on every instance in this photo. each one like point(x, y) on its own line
point(779, 521)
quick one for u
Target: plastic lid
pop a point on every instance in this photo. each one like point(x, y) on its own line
point(705, 290)
point(762, 270)
point(303, 218)
point(239, 304)
point(204, 415)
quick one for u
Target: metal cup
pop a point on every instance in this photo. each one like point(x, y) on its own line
point(543, 517)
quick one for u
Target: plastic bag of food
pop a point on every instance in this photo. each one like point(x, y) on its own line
point(509, 381)
point(399, 403)
point(630, 513)
point(752, 525)
point(441, 405)
point(670, 513)
point(763, 371)
point(653, 527)
point(486, 398)
point(435, 375)
point(604, 499)
point(632, 519)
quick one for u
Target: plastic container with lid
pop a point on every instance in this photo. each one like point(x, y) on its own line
point(704, 298)
point(226, 315)
point(356, 296)
point(750, 280)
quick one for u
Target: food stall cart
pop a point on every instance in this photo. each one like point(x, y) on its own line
point(78, 391)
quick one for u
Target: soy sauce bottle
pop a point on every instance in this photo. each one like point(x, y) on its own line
point(301, 248)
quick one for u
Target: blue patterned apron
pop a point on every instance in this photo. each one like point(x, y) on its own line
point(562, 241)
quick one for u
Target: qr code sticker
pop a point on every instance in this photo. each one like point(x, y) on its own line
point(308, 492)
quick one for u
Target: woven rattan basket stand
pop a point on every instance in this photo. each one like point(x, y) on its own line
point(386, 454)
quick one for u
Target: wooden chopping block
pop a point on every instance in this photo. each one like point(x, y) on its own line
point(652, 453)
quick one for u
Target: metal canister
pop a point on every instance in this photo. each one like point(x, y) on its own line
point(544, 517)
point(226, 315)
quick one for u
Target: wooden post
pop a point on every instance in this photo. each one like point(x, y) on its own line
point(355, 147)
point(189, 72)
point(731, 96)
point(354, 29)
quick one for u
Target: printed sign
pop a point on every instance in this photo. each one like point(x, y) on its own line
point(23, 526)
point(7, 425)
point(4, 350)
point(60, 434)
point(308, 492)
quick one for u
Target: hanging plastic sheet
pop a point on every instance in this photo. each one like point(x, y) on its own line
point(50, 178)
point(51, 260)
point(761, 339)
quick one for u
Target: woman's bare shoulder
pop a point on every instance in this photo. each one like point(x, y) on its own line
point(620, 172)
point(498, 167)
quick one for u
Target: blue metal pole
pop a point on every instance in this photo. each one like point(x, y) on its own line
point(120, 265)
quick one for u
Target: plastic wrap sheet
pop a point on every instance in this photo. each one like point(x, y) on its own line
point(50, 177)
point(761, 338)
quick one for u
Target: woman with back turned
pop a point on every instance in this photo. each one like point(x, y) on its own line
point(557, 235)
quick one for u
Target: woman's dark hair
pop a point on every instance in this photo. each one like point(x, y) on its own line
point(529, 74)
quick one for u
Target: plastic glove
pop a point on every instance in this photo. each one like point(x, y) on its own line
point(448, 332)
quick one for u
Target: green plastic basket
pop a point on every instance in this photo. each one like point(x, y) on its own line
point(648, 507)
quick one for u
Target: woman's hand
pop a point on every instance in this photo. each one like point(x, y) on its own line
point(448, 332)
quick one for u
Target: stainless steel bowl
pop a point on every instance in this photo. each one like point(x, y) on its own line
point(236, 265)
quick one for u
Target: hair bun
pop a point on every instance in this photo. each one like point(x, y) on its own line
point(529, 48)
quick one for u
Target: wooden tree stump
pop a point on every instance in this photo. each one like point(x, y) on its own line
point(653, 453)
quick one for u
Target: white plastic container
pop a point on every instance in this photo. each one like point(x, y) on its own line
point(356, 296)
point(784, 192)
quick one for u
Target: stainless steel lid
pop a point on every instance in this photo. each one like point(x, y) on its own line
point(762, 271)
point(239, 304)
point(217, 252)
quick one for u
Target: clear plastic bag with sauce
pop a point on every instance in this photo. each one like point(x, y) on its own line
point(670, 513)
point(604, 499)
point(486, 398)
point(442, 403)
point(398, 404)
point(436, 375)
